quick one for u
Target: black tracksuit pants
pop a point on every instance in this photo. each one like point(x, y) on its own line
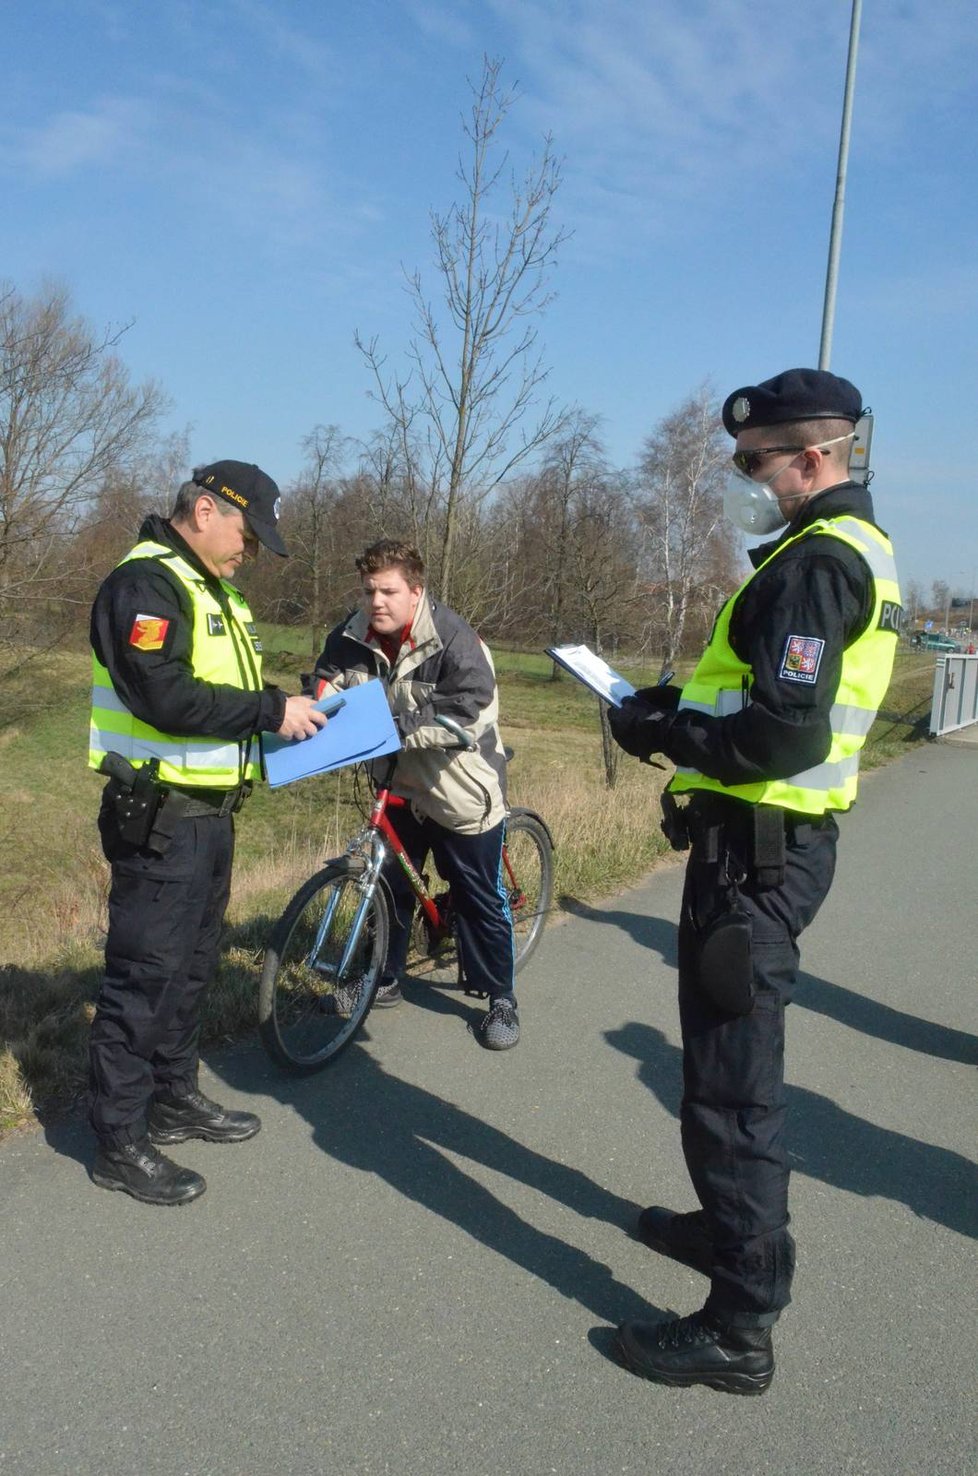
point(472, 867)
point(733, 1109)
point(165, 918)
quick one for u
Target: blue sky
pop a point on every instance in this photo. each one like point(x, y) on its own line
point(245, 179)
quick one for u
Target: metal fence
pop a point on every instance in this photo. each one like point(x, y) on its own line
point(955, 702)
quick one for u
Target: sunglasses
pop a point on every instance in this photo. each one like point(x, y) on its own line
point(749, 461)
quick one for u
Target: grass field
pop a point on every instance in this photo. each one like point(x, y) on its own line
point(53, 880)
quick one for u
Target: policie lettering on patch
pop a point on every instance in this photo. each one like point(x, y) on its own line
point(148, 632)
point(801, 660)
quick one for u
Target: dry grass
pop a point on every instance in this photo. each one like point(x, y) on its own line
point(54, 883)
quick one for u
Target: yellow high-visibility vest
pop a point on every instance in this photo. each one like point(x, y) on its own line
point(720, 685)
point(223, 651)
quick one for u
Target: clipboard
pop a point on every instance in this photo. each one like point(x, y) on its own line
point(593, 671)
point(361, 727)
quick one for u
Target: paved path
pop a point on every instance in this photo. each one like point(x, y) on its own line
point(415, 1266)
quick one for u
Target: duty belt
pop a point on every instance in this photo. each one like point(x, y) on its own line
point(189, 804)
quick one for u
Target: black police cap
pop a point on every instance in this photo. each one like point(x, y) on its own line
point(246, 486)
point(797, 394)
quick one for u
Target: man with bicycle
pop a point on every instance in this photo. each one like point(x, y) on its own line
point(434, 664)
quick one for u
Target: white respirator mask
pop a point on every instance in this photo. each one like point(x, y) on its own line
point(752, 506)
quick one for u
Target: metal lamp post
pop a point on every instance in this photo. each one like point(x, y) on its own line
point(838, 208)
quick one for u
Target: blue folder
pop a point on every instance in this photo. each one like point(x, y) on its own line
point(361, 728)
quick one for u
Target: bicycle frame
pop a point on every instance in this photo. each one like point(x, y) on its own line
point(380, 824)
point(373, 843)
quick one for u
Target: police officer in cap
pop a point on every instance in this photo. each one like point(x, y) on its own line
point(766, 737)
point(178, 705)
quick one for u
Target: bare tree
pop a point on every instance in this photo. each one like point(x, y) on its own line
point(687, 554)
point(70, 422)
point(603, 577)
point(303, 591)
point(570, 477)
point(941, 596)
point(470, 397)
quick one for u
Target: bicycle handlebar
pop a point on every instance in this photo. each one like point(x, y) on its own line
point(463, 739)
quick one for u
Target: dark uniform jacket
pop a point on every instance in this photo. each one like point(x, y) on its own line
point(820, 587)
point(160, 687)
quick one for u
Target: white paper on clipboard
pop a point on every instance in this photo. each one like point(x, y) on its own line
point(593, 671)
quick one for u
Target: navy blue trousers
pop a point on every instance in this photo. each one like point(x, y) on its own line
point(733, 1110)
point(162, 948)
point(472, 867)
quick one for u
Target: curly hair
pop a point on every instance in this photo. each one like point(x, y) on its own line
point(390, 553)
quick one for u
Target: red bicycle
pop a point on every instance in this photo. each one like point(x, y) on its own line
point(333, 934)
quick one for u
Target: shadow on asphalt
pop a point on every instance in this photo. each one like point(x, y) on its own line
point(404, 1134)
point(821, 996)
point(828, 1143)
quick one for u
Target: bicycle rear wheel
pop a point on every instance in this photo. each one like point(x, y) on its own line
point(318, 981)
point(528, 876)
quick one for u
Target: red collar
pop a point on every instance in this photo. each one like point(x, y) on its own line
point(389, 644)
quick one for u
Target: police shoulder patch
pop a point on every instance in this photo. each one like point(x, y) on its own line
point(891, 617)
point(801, 659)
point(148, 632)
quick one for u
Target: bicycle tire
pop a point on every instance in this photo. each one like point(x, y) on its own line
point(298, 1020)
point(530, 853)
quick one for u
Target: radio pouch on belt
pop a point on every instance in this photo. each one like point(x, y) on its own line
point(725, 971)
point(768, 847)
point(674, 823)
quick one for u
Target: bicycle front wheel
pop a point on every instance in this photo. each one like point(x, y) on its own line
point(528, 876)
point(322, 966)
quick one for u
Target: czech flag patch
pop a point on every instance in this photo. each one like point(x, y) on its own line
point(148, 632)
point(801, 660)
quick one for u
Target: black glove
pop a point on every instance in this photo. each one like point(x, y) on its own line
point(661, 699)
point(638, 728)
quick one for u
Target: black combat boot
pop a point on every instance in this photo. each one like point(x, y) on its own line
point(683, 1237)
point(138, 1169)
point(699, 1350)
point(173, 1118)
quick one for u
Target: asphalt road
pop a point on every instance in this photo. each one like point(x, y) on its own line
point(415, 1267)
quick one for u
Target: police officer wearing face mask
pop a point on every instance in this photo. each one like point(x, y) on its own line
point(766, 738)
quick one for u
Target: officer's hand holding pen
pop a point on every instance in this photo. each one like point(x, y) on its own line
point(635, 724)
point(302, 718)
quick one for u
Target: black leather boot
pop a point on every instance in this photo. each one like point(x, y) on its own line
point(683, 1237)
point(175, 1118)
point(138, 1169)
point(697, 1350)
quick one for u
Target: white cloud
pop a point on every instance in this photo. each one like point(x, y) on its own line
point(674, 105)
point(81, 138)
point(454, 24)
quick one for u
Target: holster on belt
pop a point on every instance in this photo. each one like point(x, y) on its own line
point(147, 813)
point(136, 800)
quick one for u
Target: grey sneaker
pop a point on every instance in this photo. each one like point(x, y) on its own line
point(344, 1000)
point(499, 1028)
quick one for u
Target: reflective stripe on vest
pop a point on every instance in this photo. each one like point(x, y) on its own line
point(717, 686)
point(228, 658)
